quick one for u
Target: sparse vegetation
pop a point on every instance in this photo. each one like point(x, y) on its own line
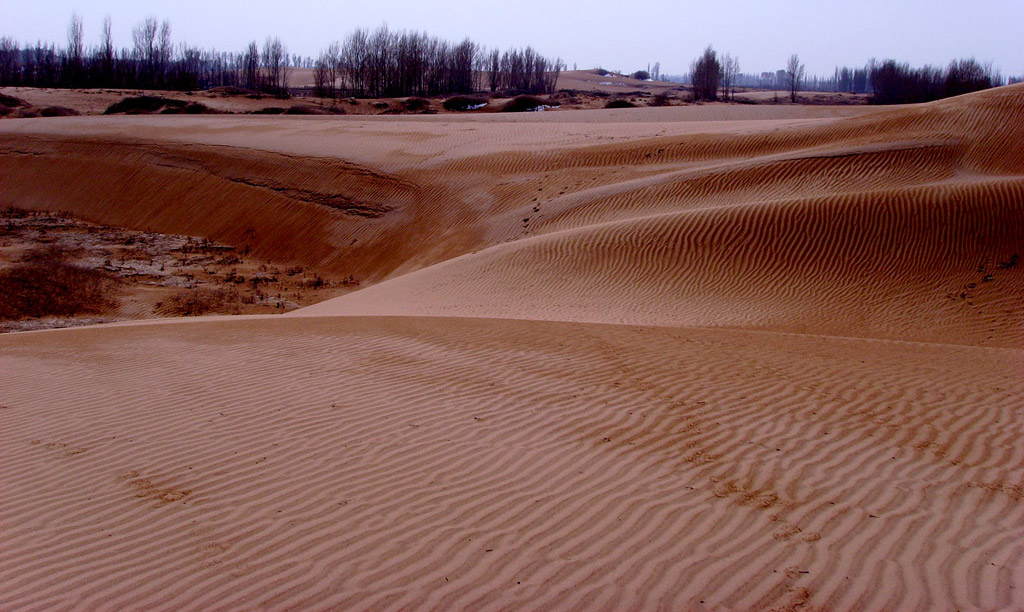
point(50, 260)
point(203, 300)
point(620, 103)
point(47, 284)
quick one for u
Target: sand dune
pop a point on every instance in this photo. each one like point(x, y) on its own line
point(651, 362)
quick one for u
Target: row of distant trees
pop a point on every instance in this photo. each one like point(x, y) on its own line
point(377, 63)
point(896, 83)
point(152, 62)
point(387, 63)
point(890, 82)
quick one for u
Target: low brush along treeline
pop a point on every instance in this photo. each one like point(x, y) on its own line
point(374, 64)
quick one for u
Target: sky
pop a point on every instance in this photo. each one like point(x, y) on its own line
point(623, 35)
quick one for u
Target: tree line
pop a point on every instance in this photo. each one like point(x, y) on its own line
point(152, 62)
point(383, 62)
point(898, 83)
point(367, 63)
point(386, 63)
point(714, 77)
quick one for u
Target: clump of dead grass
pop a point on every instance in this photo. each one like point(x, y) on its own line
point(48, 284)
point(525, 103)
point(202, 300)
point(141, 105)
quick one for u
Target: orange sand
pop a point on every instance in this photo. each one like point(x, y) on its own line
point(668, 358)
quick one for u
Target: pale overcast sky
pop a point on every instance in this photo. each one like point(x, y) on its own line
point(618, 34)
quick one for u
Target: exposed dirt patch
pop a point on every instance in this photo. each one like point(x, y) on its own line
point(138, 275)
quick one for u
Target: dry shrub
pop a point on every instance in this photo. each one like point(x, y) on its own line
point(58, 111)
point(47, 284)
point(521, 104)
point(463, 103)
point(660, 100)
point(142, 104)
point(303, 109)
point(620, 103)
point(202, 300)
point(11, 101)
point(416, 104)
point(192, 108)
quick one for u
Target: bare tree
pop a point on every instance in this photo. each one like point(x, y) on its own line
point(332, 63)
point(164, 52)
point(706, 72)
point(794, 75)
point(145, 52)
point(354, 60)
point(320, 78)
point(73, 59)
point(10, 61)
point(730, 72)
point(494, 70)
point(107, 52)
point(285, 72)
point(75, 39)
point(275, 65)
point(381, 62)
point(251, 66)
point(967, 75)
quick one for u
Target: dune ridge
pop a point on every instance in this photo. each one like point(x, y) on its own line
point(667, 364)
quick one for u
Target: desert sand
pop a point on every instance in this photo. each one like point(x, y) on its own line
point(686, 358)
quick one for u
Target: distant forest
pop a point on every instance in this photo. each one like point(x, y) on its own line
point(888, 82)
point(375, 64)
point(386, 63)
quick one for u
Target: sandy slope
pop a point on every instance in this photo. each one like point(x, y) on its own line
point(642, 364)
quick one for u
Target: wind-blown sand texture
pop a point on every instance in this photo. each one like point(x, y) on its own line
point(605, 361)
